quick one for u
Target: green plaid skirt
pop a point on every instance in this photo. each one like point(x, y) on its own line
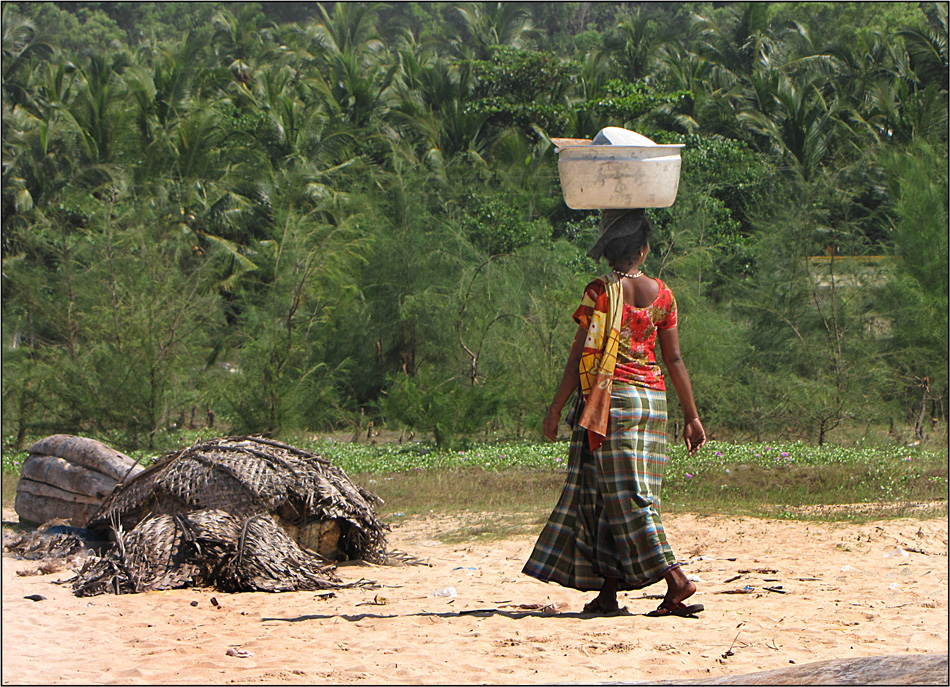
point(607, 521)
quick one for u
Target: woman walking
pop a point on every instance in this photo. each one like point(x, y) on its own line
point(605, 534)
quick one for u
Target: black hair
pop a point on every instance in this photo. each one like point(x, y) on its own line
point(623, 248)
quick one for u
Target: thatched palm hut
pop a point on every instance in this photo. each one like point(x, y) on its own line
point(236, 513)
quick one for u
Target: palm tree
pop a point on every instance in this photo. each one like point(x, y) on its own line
point(714, 93)
point(18, 52)
point(239, 39)
point(359, 92)
point(489, 24)
point(176, 74)
point(794, 116)
point(635, 44)
point(98, 109)
point(431, 108)
point(927, 46)
point(355, 72)
point(350, 28)
point(736, 38)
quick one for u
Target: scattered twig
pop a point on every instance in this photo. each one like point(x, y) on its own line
point(729, 651)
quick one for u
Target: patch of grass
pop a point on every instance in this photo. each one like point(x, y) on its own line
point(491, 457)
point(463, 489)
point(484, 527)
point(787, 480)
point(8, 484)
point(860, 512)
point(792, 480)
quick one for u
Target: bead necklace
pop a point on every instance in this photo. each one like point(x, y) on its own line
point(632, 276)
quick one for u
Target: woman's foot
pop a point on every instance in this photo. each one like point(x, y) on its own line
point(606, 601)
point(678, 588)
point(598, 607)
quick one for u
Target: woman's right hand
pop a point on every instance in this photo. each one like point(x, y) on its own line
point(551, 421)
point(695, 435)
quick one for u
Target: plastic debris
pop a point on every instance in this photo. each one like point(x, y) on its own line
point(896, 552)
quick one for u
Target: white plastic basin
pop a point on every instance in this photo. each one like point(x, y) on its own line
point(600, 177)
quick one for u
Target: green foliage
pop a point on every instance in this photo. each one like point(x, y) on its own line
point(496, 224)
point(729, 171)
point(918, 294)
point(844, 20)
point(258, 128)
point(521, 88)
point(120, 327)
point(625, 103)
point(75, 31)
point(587, 41)
point(521, 75)
point(445, 408)
point(357, 205)
point(277, 381)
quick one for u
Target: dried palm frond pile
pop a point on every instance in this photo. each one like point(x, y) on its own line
point(53, 539)
point(56, 545)
point(206, 548)
point(236, 513)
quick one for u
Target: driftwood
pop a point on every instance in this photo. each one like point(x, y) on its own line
point(902, 669)
point(206, 548)
point(67, 476)
point(89, 453)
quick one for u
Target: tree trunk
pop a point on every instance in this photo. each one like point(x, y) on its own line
point(919, 426)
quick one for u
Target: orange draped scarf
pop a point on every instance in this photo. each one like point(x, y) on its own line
point(599, 358)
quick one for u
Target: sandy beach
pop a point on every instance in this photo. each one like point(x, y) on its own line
point(837, 591)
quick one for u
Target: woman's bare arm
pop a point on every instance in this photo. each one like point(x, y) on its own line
point(693, 432)
point(570, 380)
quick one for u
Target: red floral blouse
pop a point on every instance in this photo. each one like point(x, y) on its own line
point(636, 357)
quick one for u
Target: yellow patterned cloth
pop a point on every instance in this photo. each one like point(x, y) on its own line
point(599, 357)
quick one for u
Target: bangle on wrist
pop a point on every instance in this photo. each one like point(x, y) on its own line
point(695, 417)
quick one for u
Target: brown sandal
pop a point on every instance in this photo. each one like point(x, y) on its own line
point(679, 609)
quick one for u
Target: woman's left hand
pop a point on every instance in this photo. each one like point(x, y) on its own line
point(695, 435)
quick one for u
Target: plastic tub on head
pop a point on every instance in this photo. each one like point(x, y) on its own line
point(617, 169)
